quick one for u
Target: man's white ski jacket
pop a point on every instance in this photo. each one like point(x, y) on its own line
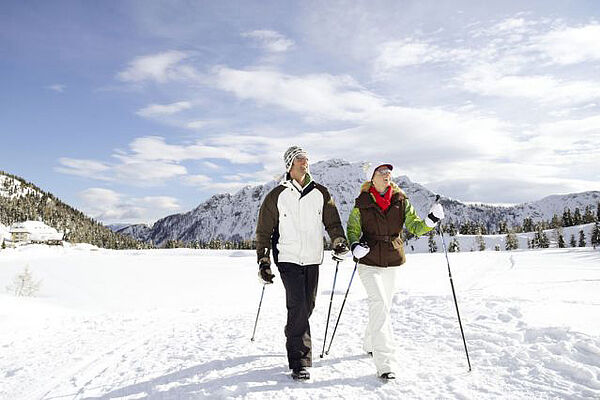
point(291, 222)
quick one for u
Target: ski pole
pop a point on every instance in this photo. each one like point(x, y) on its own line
point(258, 312)
point(441, 233)
point(330, 302)
point(342, 308)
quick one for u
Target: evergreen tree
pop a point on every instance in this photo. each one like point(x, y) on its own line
point(479, 242)
point(577, 219)
point(598, 212)
point(454, 247)
point(596, 235)
point(556, 222)
point(452, 231)
point(588, 216)
point(4, 243)
point(561, 242)
point(512, 243)
point(431, 242)
point(502, 228)
point(541, 239)
point(527, 225)
point(572, 242)
point(567, 217)
point(581, 239)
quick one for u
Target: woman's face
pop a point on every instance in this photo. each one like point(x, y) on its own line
point(382, 178)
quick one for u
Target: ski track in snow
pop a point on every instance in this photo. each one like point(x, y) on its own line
point(204, 351)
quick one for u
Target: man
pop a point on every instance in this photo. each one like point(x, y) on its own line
point(290, 223)
point(374, 227)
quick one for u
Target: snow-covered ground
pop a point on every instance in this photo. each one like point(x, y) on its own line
point(176, 324)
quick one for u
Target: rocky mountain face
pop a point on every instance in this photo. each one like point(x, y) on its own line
point(233, 216)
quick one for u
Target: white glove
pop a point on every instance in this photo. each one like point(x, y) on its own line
point(435, 215)
point(359, 250)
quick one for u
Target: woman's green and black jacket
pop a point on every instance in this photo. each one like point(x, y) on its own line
point(381, 230)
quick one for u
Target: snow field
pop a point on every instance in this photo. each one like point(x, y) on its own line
point(176, 324)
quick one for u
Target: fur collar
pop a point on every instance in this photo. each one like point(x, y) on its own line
point(395, 188)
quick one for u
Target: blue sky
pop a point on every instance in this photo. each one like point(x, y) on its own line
point(134, 110)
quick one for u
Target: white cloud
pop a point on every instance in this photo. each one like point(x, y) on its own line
point(160, 67)
point(319, 96)
point(85, 168)
point(196, 124)
point(571, 144)
point(100, 196)
point(57, 87)
point(152, 161)
point(571, 45)
point(197, 180)
point(157, 110)
point(160, 202)
point(487, 80)
point(271, 41)
point(210, 165)
point(110, 206)
point(146, 172)
point(406, 52)
point(507, 28)
point(155, 148)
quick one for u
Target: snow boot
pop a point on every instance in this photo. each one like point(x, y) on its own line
point(300, 374)
point(388, 376)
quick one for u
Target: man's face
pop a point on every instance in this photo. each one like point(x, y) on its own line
point(300, 165)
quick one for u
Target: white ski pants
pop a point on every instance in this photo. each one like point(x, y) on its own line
point(380, 284)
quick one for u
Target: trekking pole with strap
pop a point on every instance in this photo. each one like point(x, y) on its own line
point(259, 304)
point(441, 233)
point(330, 302)
point(342, 308)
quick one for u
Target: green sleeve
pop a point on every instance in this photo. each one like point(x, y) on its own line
point(353, 227)
point(413, 223)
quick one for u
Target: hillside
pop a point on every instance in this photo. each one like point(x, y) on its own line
point(21, 200)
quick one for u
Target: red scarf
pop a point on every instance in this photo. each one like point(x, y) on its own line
point(382, 201)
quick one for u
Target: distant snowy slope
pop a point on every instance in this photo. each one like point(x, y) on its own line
point(139, 231)
point(469, 242)
point(233, 216)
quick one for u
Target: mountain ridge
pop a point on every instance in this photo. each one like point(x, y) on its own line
point(233, 217)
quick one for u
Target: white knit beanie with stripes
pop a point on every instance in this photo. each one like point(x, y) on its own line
point(290, 154)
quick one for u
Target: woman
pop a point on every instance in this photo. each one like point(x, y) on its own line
point(374, 229)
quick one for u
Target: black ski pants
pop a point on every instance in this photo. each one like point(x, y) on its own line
point(300, 282)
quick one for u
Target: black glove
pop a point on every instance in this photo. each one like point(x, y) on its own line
point(264, 272)
point(340, 248)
